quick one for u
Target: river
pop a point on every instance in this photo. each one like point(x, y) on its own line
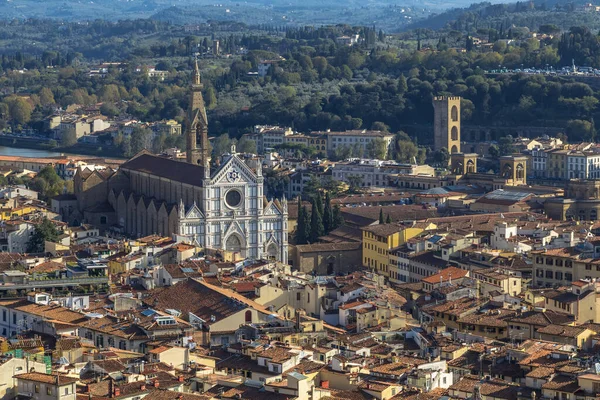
point(21, 152)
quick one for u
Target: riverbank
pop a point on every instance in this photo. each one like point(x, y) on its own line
point(44, 145)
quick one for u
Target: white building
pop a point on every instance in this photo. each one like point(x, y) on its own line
point(360, 138)
point(15, 236)
point(268, 137)
point(583, 165)
point(376, 172)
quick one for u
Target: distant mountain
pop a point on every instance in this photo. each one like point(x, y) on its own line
point(390, 15)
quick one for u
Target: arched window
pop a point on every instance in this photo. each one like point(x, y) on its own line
point(248, 317)
point(454, 113)
point(454, 150)
point(454, 133)
point(520, 171)
point(593, 215)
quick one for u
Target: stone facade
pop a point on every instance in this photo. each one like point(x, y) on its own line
point(224, 209)
point(446, 123)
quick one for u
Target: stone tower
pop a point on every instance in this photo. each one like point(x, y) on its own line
point(446, 123)
point(514, 170)
point(197, 130)
point(463, 163)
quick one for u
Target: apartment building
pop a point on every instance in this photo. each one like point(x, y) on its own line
point(267, 137)
point(360, 138)
point(377, 172)
point(379, 239)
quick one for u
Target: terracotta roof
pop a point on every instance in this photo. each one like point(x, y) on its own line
point(173, 395)
point(109, 366)
point(54, 379)
point(201, 299)
point(445, 275)
point(562, 383)
point(177, 171)
point(541, 372)
point(46, 267)
point(492, 318)
point(562, 330)
point(493, 388)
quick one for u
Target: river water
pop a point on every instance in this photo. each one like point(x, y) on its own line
point(19, 152)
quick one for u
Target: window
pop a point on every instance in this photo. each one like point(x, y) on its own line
point(49, 390)
point(66, 390)
point(248, 317)
point(36, 388)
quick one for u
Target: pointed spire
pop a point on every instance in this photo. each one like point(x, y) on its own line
point(181, 209)
point(196, 73)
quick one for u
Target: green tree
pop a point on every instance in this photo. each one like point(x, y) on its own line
point(141, 138)
point(109, 109)
point(494, 151)
point(406, 151)
point(312, 187)
point(327, 214)
point(246, 145)
point(441, 156)
point(46, 97)
point(380, 126)
point(47, 183)
point(159, 143)
point(354, 183)
point(377, 148)
point(580, 130)
point(319, 203)
point(19, 110)
point(45, 231)
point(222, 146)
point(388, 220)
point(316, 223)
point(211, 98)
point(68, 138)
point(506, 145)
point(110, 93)
point(302, 226)
point(338, 219)
point(381, 220)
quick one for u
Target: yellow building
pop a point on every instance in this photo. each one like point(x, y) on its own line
point(378, 240)
point(8, 213)
point(557, 163)
point(123, 262)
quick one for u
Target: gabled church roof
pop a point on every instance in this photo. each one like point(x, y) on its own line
point(178, 171)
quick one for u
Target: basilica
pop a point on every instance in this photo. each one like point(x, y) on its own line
point(223, 209)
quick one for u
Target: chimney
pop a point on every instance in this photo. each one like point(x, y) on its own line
point(180, 378)
point(117, 391)
point(143, 387)
point(156, 384)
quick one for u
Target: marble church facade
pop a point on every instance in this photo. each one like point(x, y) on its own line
point(223, 209)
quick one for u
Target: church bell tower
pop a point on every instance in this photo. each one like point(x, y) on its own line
point(197, 130)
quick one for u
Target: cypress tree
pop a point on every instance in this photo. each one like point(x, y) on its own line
point(302, 229)
point(316, 223)
point(381, 215)
point(327, 215)
point(388, 220)
point(319, 203)
point(338, 219)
